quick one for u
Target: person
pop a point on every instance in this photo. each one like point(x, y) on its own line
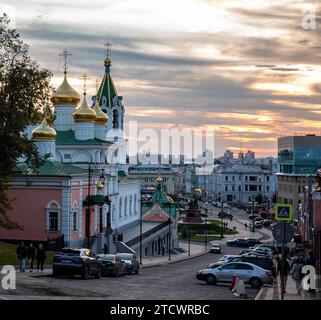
point(21, 254)
point(245, 224)
point(296, 273)
point(284, 266)
point(105, 248)
point(311, 259)
point(41, 257)
point(31, 256)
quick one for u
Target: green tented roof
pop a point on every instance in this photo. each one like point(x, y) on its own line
point(68, 138)
point(50, 168)
point(107, 89)
point(95, 199)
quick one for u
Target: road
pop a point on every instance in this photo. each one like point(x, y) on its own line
point(173, 281)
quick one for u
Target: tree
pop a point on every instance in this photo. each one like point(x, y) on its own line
point(24, 92)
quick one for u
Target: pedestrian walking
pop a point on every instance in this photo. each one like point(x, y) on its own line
point(245, 225)
point(41, 257)
point(31, 256)
point(283, 268)
point(22, 254)
point(296, 273)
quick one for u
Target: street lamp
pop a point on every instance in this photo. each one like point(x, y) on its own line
point(141, 231)
point(169, 232)
point(253, 211)
point(87, 229)
point(206, 210)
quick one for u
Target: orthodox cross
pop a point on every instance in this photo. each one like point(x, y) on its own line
point(84, 77)
point(65, 54)
point(108, 49)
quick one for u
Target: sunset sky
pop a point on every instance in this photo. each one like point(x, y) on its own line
point(244, 68)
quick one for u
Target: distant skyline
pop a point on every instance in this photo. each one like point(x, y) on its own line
point(246, 69)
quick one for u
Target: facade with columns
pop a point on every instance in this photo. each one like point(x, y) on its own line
point(82, 191)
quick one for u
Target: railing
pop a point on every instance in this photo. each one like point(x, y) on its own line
point(146, 234)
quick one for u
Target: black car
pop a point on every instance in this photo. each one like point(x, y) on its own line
point(238, 243)
point(76, 262)
point(112, 265)
point(131, 262)
point(263, 262)
point(225, 215)
point(253, 241)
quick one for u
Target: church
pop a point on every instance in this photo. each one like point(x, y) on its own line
point(81, 196)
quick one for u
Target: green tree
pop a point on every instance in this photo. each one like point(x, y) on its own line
point(24, 92)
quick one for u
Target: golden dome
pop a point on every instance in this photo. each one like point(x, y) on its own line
point(84, 113)
point(44, 132)
point(159, 179)
point(107, 62)
point(65, 94)
point(99, 186)
point(101, 117)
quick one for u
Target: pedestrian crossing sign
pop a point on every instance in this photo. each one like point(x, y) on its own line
point(283, 212)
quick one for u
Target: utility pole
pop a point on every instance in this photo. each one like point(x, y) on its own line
point(141, 232)
point(283, 261)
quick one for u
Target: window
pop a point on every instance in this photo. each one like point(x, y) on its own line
point(53, 221)
point(229, 266)
point(267, 189)
point(75, 220)
point(233, 188)
point(226, 178)
point(233, 178)
point(241, 266)
point(226, 188)
point(267, 178)
point(253, 178)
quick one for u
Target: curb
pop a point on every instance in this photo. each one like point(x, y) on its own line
point(157, 264)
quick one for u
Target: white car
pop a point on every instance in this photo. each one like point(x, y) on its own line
point(248, 272)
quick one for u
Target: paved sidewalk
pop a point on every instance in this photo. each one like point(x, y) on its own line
point(274, 292)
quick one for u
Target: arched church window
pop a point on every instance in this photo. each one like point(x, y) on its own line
point(115, 119)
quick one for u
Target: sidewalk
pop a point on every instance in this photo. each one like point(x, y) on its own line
point(198, 249)
point(274, 292)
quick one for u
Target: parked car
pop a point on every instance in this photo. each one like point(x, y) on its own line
point(238, 242)
point(248, 272)
point(253, 216)
point(262, 251)
point(225, 214)
point(181, 250)
point(258, 219)
point(226, 258)
point(267, 223)
point(253, 241)
point(270, 246)
point(258, 224)
point(214, 203)
point(81, 262)
point(244, 251)
point(131, 262)
point(112, 265)
point(215, 248)
point(263, 262)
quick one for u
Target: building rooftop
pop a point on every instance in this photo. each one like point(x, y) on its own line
point(68, 138)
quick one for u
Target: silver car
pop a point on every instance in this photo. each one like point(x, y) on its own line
point(248, 272)
point(226, 258)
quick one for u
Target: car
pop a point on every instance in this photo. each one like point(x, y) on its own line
point(266, 263)
point(69, 261)
point(267, 223)
point(258, 219)
point(112, 265)
point(214, 203)
point(225, 205)
point(250, 273)
point(173, 251)
point(270, 246)
point(261, 251)
point(225, 215)
point(258, 224)
point(238, 242)
point(131, 262)
point(253, 216)
point(253, 241)
point(215, 248)
point(180, 250)
point(244, 251)
point(226, 258)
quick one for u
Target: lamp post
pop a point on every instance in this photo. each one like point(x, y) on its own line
point(253, 210)
point(88, 209)
point(206, 210)
point(141, 232)
point(169, 232)
point(189, 234)
point(222, 217)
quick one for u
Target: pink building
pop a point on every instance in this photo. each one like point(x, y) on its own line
point(51, 206)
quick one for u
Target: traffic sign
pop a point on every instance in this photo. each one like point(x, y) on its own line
point(288, 232)
point(283, 212)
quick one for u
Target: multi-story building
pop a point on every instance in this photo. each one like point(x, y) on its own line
point(239, 183)
point(147, 174)
point(298, 156)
